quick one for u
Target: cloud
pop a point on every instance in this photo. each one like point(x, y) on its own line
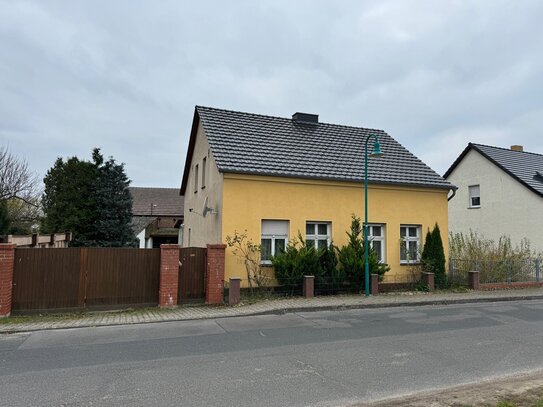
point(125, 76)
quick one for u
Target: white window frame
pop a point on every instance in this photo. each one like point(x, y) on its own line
point(274, 237)
point(408, 239)
point(472, 195)
point(316, 237)
point(381, 238)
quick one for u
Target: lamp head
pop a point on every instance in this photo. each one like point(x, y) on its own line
point(376, 149)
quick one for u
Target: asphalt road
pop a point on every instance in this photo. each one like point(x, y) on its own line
point(305, 359)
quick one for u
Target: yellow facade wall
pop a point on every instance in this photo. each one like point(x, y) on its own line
point(247, 200)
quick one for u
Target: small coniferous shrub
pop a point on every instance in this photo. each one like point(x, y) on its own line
point(433, 257)
point(351, 257)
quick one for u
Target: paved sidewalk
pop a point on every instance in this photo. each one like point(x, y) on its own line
point(273, 306)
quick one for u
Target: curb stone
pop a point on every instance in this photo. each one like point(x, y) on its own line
point(42, 326)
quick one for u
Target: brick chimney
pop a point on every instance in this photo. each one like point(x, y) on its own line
point(516, 147)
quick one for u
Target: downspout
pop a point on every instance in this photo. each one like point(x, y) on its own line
point(453, 194)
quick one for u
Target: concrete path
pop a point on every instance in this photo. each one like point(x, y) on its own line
point(273, 306)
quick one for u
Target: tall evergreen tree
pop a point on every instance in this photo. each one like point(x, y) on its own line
point(113, 203)
point(4, 217)
point(433, 257)
point(69, 200)
point(90, 199)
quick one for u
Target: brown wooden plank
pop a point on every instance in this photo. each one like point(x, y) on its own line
point(45, 279)
point(192, 274)
point(122, 276)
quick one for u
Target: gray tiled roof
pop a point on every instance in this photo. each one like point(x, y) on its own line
point(257, 144)
point(521, 165)
point(165, 201)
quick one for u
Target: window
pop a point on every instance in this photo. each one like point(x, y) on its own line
point(376, 236)
point(317, 234)
point(204, 163)
point(196, 178)
point(474, 196)
point(274, 239)
point(409, 243)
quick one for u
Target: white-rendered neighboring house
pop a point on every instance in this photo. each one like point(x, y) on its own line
point(500, 192)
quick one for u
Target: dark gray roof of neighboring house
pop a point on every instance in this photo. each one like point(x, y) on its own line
point(164, 201)
point(255, 144)
point(525, 167)
point(141, 222)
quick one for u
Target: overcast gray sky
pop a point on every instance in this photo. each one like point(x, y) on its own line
point(125, 75)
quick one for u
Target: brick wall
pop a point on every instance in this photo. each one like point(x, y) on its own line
point(215, 274)
point(7, 258)
point(169, 275)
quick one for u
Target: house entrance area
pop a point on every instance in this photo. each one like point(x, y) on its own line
point(192, 275)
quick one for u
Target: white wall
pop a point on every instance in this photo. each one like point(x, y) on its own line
point(507, 207)
point(199, 230)
point(141, 237)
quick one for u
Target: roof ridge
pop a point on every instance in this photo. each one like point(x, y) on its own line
point(287, 118)
point(507, 149)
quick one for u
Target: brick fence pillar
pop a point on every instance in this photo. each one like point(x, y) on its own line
point(428, 279)
point(473, 280)
point(234, 291)
point(374, 284)
point(7, 263)
point(308, 288)
point(215, 273)
point(169, 275)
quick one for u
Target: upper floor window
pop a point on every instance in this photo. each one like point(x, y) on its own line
point(376, 236)
point(204, 165)
point(196, 178)
point(317, 234)
point(474, 196)
point(409, 243)
point(274, 239)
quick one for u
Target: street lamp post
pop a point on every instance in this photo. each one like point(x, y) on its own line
point(376, 153)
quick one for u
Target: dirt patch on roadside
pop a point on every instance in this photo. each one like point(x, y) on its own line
point(523, 390)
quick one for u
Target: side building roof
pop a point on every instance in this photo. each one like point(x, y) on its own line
point(156, 201)
point(246, 143)
point(525, 167)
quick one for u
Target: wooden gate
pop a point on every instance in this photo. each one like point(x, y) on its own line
point(68, 278)
point(192, 275)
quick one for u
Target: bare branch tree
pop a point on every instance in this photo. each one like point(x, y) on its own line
point(16, 179)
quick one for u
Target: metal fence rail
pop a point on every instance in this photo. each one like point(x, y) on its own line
point(499, 271)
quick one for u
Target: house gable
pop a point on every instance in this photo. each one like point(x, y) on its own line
point(525, 167)
point(507, 206)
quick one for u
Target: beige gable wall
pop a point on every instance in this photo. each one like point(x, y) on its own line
point(199, 231)
point(507, 207)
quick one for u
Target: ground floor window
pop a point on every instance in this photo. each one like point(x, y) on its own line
point(409, 243)
point(274, 239)
point(318, 234)
point(376, 236)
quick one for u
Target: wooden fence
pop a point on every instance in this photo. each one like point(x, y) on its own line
point(58, 279)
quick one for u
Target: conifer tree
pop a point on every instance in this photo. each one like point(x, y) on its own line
point(433, 257)
point(4, 217)
point(89, 199)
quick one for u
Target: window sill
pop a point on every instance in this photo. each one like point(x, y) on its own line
point(411, 263)
point(266, 264)
point(474, 207)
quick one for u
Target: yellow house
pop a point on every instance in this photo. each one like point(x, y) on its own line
point(277, 177)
